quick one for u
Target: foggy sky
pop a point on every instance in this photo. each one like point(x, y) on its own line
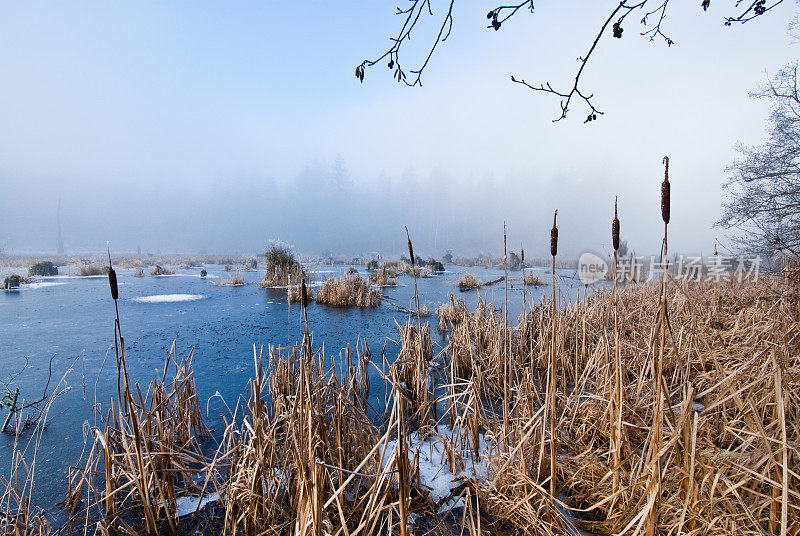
point(189, 127)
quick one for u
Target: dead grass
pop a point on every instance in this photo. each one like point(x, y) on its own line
point(93, 269)
point(730, 372)
point(282, 268)
point(468, 281)
point(349, 290)
point(294, 294)
point(161, 270)
point(533, 280)
point(382, 278)
point(233, 281)
point(305, 457)
point(452, 313)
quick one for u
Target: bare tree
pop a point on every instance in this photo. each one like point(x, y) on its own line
point(653, 12)
point(763, 188)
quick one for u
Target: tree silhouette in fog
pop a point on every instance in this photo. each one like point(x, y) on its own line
point(763, 189)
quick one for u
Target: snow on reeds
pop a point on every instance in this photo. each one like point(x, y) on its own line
point(282, 268)
point(382, 278)
point(349, 290)
point(468, 281)
point(161, 270)
point(533, 280)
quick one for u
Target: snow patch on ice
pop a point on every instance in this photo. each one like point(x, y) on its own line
point(43, 284)
point(189, 505)
point(434, 468)
point(169, 298)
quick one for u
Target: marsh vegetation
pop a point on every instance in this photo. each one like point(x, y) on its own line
point(282, 267)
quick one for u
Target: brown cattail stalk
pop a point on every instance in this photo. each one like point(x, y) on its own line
point(617, 404)
point(506, 356)
point(615, 228)
point(654, 448)
point(414, 274)
point(665, 192)
point(551, 395)
point(304, 302)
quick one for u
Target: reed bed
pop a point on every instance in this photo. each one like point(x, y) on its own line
point(305, 458)
point(234, 280)
point(533, 280)
point(382, 277)
point(402, 267)
point(95, 268)
point(295, 295)
point(451, 313)
point(348, 290)
point(730, 389)
point(282, 269)
point(470, 427)
point(145, 461)
point(161, 270)
point(468, 281)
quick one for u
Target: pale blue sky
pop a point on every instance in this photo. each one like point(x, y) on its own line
point(161, 123)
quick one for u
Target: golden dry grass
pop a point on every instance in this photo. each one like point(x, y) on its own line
point(294, 293)
point(349, 290)
point(382, 278)
point(468, 281)
point(95, 268)
point(234, 280)
point(731, 387)
point(533, 280)
point(715, 454)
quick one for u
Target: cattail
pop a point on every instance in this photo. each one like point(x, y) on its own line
point(410, 248)
point(112, 282)
point(112, 278)
point(522, 257)
point(303, 292)
point(615, 228)
point(554, 237)
point(665, 192)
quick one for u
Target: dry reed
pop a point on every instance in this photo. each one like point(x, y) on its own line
point(161, 270)
point(349, 290)
point(234, 280)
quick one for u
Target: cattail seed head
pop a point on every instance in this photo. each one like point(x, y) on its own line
point(665, 192)
point(615, 228)
point(554, 237)
point(112, 282)
point(303, 292)
point(410, 248)
point(522, 256)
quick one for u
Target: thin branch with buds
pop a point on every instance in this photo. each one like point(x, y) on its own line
point(500, 14)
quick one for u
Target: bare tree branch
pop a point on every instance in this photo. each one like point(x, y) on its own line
point(655, 10)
